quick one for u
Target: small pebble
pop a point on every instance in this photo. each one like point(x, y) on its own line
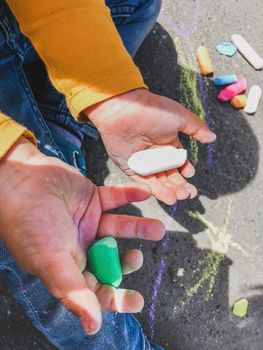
point(225, 79)
point(180, 272)
point(240, 307)
point(232, 90)
point(239, 101)
point(227, 49)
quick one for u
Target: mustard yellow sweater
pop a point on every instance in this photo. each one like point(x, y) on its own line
point(82, 50)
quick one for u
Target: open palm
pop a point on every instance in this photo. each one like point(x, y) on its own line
point(52, 214)
point(139, 120)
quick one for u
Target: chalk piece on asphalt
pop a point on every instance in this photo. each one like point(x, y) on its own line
point(155, 160)
point(104, 261)
point(253, 98)
point(225, 79)
point(232, 90)
point(247, 51)
point(227, 49)
point(204, 61)
point(239, 101)
point(240, 307)
point(180, 272)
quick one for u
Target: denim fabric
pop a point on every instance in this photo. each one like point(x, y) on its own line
point(28, 97)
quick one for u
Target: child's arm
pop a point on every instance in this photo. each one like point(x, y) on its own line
point(81, 48)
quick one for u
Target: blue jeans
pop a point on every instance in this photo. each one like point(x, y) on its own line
point(27, 96)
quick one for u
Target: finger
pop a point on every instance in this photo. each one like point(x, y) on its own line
point(194, 126)
point(125, 226)
point(64, 280)
point(117, 196)
point(161, 192)
point(187, 170)
point(179, 187)
point(115, 300)
point(183, 189)
point(120, 300)
point(176, 183)
point(131, 261)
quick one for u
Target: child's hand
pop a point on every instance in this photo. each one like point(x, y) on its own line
point(50, 214)
point(138, 120)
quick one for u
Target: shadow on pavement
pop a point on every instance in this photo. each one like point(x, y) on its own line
point(203, 321)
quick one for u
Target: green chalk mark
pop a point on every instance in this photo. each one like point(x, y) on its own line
point(240, 308)
point(204, 276)
point(104, 261)
point(208, 266)
point(190, 96)
point(220, 238)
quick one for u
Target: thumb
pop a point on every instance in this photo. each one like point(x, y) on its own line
point(62, 277)
point(193, 126)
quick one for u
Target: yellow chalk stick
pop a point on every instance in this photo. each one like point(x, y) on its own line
point(204, 60)
point(239, 101)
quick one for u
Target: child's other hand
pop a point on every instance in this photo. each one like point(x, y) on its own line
point(49, 216)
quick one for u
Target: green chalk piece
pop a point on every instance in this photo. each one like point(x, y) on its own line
point(240, 308)
point(104, 261)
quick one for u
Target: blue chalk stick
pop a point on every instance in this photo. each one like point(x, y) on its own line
point(227, 49)
point(225, 79)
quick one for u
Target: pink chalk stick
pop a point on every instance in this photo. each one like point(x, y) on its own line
point(232, 90)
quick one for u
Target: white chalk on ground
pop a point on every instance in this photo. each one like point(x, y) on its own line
point(180, 272)
point(247, 51)
point(253, 98)
point(155, 160)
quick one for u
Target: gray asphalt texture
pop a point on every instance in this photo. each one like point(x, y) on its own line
point(219, 264)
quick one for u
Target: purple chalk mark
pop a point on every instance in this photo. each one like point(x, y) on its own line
point(160, 271)
point(183, 34)
point(180, 29)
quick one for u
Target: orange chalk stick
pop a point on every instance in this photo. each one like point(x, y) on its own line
point(239, 101)
point(204, 60)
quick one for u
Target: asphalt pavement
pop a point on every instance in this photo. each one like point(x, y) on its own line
point(211, 255)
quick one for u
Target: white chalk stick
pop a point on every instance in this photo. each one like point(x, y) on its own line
point(247, 51)
point(253, 98)
point(155, 160)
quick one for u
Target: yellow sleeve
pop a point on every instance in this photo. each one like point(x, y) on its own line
point(83, 52)
point(10, 132)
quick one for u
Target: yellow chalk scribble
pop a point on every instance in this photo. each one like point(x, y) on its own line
point(208, 267)
point(190, 96)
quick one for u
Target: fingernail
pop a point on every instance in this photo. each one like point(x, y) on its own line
point(130, 291)
point(191, 173)
point(126, 269)
point(89, 327)
point(192, 190)
point(91, 330)
point(213, 137)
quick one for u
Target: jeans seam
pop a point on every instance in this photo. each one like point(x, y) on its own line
point(22, 80)
point(122, 10)
point(9, 41)
point(14, 275)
